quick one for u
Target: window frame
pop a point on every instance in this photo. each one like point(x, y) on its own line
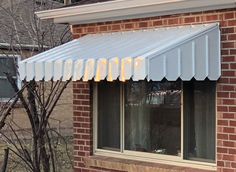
point(18, 59)
point(143, 156)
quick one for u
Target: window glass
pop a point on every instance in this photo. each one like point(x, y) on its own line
point(6, 90)
point(199, 117)
point(153, 117)
point(109, 115)
point(7, 65)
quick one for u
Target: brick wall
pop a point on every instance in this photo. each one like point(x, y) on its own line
point(226, 87)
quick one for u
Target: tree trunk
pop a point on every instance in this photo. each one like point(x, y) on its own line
point(4, 165)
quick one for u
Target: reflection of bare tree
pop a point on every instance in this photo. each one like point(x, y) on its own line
point(152, 112)
point(38, 148)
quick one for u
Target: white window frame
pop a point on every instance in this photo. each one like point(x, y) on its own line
point(143, 156)
point(18, 59)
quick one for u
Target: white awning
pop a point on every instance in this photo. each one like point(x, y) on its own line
point(184, 52)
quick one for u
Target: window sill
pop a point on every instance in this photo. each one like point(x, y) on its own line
point(126, 165)
point(5, 100)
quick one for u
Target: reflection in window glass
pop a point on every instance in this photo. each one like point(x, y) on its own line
point(7, 65)
point(153, 117)
point(6, 90)
point(199, 117)
point(109, 116)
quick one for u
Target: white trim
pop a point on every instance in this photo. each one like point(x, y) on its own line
point(95, 115)
point(127, 9)
point(25, 46)
point(137, 157)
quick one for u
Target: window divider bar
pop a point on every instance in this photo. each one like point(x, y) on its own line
point(122, 142)
point(95, 118)
point(182, 121)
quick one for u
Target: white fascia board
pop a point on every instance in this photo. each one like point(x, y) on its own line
point(24, 46)
point(128, 9)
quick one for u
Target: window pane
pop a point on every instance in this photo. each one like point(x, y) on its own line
point(7, 64)
point(6, 90)
point(199, 110)
point(153, 117)
point(109, 115)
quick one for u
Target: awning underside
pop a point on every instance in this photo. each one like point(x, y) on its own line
point(184, 52)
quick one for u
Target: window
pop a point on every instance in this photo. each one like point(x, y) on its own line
point(162, 119)
point(7, 65)
point(199, 117)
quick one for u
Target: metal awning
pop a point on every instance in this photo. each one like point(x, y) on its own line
point(184, 52)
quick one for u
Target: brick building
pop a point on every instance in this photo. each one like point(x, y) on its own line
point(171, 104)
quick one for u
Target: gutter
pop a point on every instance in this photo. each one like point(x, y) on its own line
point(129, 9)
point(6, 46)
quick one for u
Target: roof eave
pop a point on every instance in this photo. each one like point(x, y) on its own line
point(123, 9)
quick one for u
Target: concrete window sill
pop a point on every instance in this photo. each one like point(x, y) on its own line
point(102, 162)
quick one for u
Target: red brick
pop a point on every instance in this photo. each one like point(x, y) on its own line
point(228, 45)
point(189, 19)
point(228, 130)
point(228, 102)
point(229, 73)
point(222, 150)
point(223, 122)
point(233, 66)
point(231, 22)
point(228, 115)
point(232, 123)
point(229, 15)
point(228, 87)
point(232, 137)
point(232, 80)
point(232, 109)
point(222, 108)
point(232, 37)
point(224, 80)
point(225, 52)
point(91, 29)
point(116, 27)
point(157, 22)
point(223, 37)
point(212, 17)
point(229, 157)
point(228, 59)
point(232, 52)
point(227, 30)
point(103, 28)
point(228, 170)
point(228, 144)
point(143, 24)
point(232, 95)
point(222, 136)
point(232, 151)
point(173, 21)
point(223, 94)
point(233, 165)
point(129, 26)
point(220, 163)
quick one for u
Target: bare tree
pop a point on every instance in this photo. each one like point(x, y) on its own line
point(25, 35)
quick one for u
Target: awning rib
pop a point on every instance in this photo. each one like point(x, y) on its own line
point(184, 52)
